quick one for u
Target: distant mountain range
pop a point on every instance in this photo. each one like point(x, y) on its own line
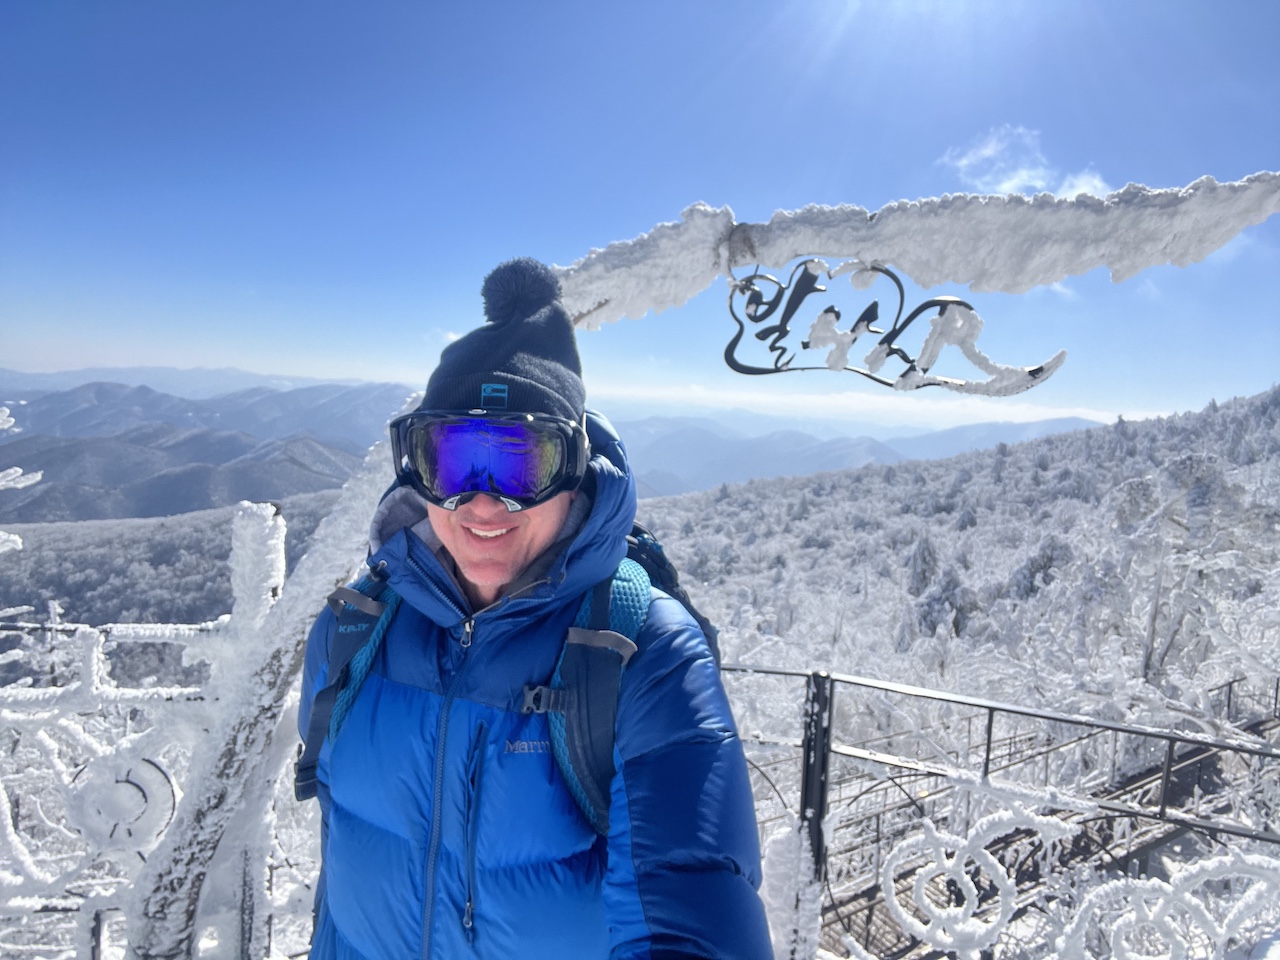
point(672, 455)
point(194, 384)
point(157, 470)
point(115, 450)
point(349, 417)
point(111, 451)
point(982, 436)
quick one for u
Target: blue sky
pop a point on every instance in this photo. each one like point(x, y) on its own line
point(317, 189)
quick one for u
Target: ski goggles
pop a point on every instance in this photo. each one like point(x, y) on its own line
point(522, 459)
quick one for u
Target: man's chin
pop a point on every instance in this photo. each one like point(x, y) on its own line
point(486, 575)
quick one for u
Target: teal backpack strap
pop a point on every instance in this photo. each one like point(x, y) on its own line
point(581, 701)
point(363, 613)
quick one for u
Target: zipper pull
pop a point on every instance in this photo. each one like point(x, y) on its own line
point(468, 923)
point(468, 629)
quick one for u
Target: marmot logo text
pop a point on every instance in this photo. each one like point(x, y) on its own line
point(528, 746)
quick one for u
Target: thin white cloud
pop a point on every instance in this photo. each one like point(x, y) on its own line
point(1148, 290)
point(1065, 292)
point(1086, 181)
point(1008, 159)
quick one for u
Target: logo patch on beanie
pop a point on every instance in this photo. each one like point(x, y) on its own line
point(493, 396)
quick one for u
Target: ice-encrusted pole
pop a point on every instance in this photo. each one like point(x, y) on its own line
point(257, 577)
point(979, 241)
point(170, 887)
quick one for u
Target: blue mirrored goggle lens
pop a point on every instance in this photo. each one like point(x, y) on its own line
point(511, 458)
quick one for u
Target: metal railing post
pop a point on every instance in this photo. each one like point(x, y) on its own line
point(247, 897)
point(96, 936)
point(986, 755)
point(817, 766)
point(1166, 776)
point(1115, 756)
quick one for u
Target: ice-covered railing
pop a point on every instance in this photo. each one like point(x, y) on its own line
point(102, 749)
point(930, 819)
point(143, 815)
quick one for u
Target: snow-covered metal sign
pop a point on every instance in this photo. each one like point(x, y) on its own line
point(990, 243)
point(761, 297)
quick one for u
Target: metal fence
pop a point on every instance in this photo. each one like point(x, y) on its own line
point(861, 764)
point(867, 763)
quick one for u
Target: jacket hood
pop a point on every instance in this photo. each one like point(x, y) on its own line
point(589, 547)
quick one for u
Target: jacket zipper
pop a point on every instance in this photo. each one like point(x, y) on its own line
point(442, 729)
point(475, 776)
point(437, 813)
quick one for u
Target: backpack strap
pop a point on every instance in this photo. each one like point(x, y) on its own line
point(581, 701)
point(363, 613)
point(644, 548)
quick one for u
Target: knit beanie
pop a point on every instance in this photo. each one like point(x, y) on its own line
point(523, 360)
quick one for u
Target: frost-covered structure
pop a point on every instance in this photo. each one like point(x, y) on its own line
point(1126, 575)
point(990, 243)
point(101, 733)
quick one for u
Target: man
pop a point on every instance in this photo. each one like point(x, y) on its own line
point(448, 828)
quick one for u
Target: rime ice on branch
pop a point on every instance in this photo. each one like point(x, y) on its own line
point(12, 478)
point(989, 243)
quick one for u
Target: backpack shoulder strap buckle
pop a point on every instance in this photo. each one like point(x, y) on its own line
point(343, 597)
point(543, 699)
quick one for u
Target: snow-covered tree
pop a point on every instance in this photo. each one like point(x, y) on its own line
point(12, 478)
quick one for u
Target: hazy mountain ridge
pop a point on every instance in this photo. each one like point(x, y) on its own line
point(160, 470)
point(110, 450)
point(691, 454)
point(674, 455)
point(349, 417)
point(982, 436)
point(196, 383)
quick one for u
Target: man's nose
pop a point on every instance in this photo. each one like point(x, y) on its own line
point(484, 506)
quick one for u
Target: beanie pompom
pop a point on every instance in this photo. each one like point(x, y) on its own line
point(524, 360)
point(518, 289)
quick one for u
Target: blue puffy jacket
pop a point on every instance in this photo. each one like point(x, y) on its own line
point(447, 828)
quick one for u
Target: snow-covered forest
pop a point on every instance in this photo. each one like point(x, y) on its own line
point(1111, 572)
point(1120, 573)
